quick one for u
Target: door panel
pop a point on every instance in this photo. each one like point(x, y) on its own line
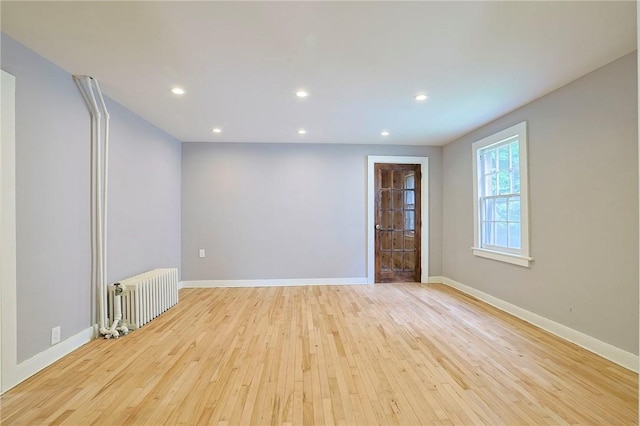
point(397, 213)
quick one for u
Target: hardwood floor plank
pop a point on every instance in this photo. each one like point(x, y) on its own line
point(394, 354)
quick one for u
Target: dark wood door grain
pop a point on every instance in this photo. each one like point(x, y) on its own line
point(398, 220)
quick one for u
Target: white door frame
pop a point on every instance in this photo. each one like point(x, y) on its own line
point(8, 314)
point(372, 160)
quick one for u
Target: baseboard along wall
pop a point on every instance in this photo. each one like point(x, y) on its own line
point(272, 282)
point(614, 354)
point(31, 366)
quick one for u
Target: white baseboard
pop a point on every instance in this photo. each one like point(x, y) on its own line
point(605, 350)
point(273, 282)
point(180, 284)
point(31, 366)
point(436, 280)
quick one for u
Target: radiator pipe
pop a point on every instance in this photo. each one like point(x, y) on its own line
point(118, 327)
point(99, 208)
point(89, 87)
point(104, 187)
point(83, 83)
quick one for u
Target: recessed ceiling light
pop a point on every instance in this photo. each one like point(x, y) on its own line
point(420, 97)
point(177, 91)
point(217, 130)
point(302, 93)
point(384, 133)
point(302, 132)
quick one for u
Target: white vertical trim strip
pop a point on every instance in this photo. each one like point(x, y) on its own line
point(8, 297)
point(638, 72)
point(372, 160)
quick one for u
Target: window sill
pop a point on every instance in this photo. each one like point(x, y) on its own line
point(503, 257)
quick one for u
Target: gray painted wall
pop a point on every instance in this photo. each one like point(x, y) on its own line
point(583, 173)
point(52, 199)
point(144, 190)
point(277, 211)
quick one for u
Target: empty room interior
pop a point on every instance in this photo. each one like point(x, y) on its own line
point(357, 213)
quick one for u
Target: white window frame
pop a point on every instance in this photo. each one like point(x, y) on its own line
point(517, 257)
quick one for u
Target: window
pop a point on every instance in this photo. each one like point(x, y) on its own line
point(501, 219)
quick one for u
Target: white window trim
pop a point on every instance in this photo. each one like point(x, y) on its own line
point(523, 258)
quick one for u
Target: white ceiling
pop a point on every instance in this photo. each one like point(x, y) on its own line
point(362, 62)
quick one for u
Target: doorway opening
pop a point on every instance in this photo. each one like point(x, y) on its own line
point(392, 226)
point(398, 220)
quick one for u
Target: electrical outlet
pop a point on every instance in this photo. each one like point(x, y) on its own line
point(201, 252)
point(55, 335)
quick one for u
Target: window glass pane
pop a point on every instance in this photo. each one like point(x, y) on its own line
point(514, 236)
point(410, 181)
point(515, 176)
point(501, 234)
point(515, 154)
point(409, 200)
point(503, 157)
point(514, 209)
point(409, 216)
point(487, 234)
point(488, 209)
point(501, 209)
point(489, 161)
point(504, 183)
point(491, 184)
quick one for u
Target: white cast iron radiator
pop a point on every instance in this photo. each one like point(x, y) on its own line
point(145, 296)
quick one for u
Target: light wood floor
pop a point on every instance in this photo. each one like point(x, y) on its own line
point(404, 354)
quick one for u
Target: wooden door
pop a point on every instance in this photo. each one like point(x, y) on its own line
point(398, 223)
